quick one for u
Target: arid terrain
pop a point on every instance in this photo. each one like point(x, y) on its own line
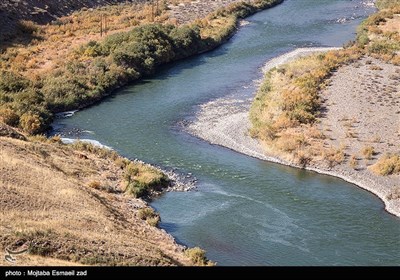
point(80, 205)
point(42, 12)
point(354, 132)
point(188, 10)
point(68, 205)
point(75, 204)
point(361, 113)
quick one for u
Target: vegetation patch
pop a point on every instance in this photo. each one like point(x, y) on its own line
point(149, 215)
point(387, 165)
point(368, 152)
point(287, 105)
point(95, 69)
point(143, 180)
point(379, 36)
point(198, 256)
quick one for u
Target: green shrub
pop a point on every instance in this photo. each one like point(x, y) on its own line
point(362, 38)
point(142, 180)
point(92, 49)
point(31, 124)
point(149, 215)
point(186, 40)
point(148, 46)
point(197, 256)
point(9, 117)
point(12, 82)
point(137, 189)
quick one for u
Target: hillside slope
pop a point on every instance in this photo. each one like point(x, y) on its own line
point(68, 205)
point(44, 11)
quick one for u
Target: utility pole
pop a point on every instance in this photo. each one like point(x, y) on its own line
point(152, 11)
point(103, 25)
point(157, 7)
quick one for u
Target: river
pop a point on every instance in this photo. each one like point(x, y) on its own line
point(246, 211)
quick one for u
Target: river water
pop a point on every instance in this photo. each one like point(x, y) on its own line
point(246, 211)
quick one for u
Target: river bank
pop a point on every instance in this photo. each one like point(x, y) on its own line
point(306, 219)
point(177, 182)
point(225, 122)
point(106, 190)
point(45, 183)
point(72, 64)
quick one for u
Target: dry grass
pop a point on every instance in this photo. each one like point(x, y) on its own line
point(290, 96)
point(368, 152)
point(56, 42)
point(70, 65)
point(334, 156)
point(379, 35)
point(198, 257)
point(6, 131)
point(287, 105)
point(385, 4)
point(149, 215)
point(353, 162)
point(387, 165)
point(51, 197)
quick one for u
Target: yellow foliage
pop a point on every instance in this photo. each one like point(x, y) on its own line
point(387, 165)
point(30, 123)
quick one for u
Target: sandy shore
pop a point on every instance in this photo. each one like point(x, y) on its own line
point(225, 122)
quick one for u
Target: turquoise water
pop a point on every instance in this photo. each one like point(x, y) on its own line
point(246, 211)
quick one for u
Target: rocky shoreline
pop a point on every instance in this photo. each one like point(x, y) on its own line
point(225, 122)
point(178, 182)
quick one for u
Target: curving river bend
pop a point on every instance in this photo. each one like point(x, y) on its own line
point(246, 211)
